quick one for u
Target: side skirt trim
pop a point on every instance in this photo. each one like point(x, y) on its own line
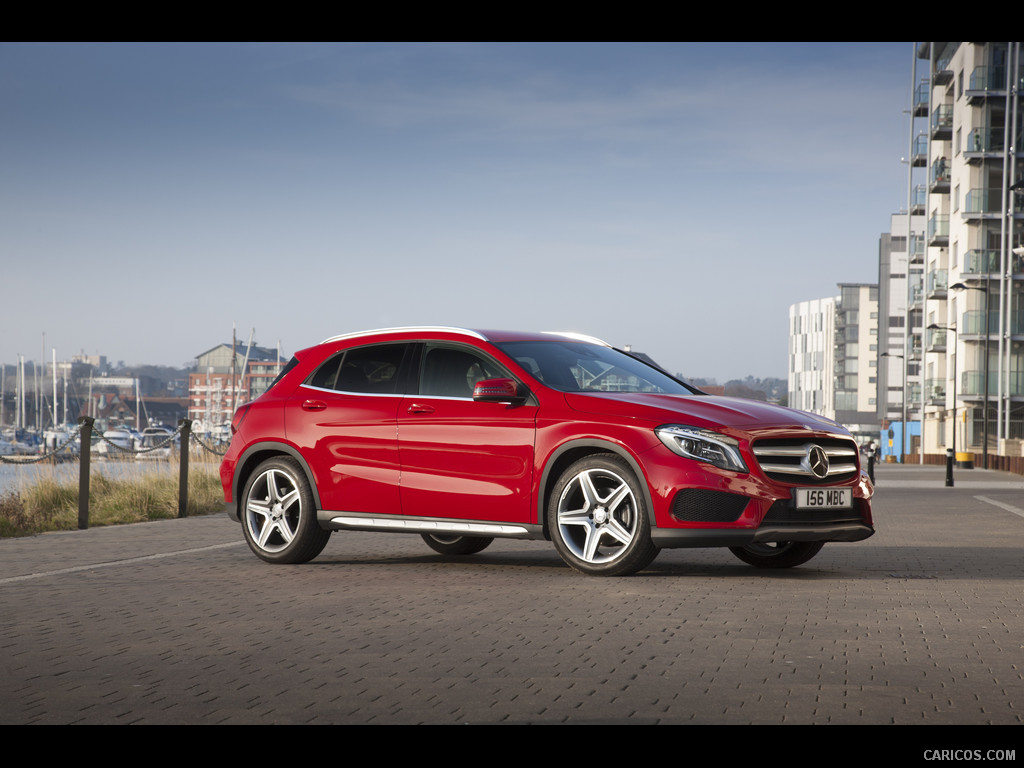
point(348, 521)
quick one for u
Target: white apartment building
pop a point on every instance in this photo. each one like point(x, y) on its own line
point(900, 332)
point(833, 358)
point(966, 164)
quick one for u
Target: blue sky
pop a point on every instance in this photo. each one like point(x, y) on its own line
point(677, 197)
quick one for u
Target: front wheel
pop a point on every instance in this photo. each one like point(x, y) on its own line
point(456, 545)
point(598, 518)
point(781, 554)
point(279, 516)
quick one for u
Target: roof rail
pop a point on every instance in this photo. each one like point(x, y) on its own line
point(404, 329)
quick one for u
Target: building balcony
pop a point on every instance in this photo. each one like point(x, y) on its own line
point(981, 262)
point(922, 94)
point(916, 295)
point(918, 199)
point(973, 323)
point(919, 151)
point(984, 142)
point(935, 391)
point(941, 73)
point(972, 384)
point(942, 122)
point(987, 203)
point(938, 284)
point(914, 350)
point(916, 249)
point(938, 229)
point(938, 177)
point(936, 340)
point(986, 82)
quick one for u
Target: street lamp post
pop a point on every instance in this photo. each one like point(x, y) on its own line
point(962, 287)
point(949, 463)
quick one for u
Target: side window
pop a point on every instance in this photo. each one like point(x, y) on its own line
point(326, 375)
point(368, 370)
point(448, 371)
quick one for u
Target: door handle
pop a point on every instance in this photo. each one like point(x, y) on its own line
point(420, 408)
point(314, 405)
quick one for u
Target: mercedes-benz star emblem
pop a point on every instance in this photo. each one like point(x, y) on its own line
point(817, 461)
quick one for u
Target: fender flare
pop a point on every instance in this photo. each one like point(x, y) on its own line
point(588, 446)
point(270, 447)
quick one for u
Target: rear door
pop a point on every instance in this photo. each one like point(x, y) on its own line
point(344, 420)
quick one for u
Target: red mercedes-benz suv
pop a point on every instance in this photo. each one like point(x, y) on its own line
point(463, 436)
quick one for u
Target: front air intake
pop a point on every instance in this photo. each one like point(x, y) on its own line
point(696, 505)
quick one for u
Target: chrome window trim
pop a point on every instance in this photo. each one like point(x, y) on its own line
point(350, 392)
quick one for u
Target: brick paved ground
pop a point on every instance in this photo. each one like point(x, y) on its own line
point(176, 622)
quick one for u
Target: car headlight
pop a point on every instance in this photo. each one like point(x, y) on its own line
point(702, 445)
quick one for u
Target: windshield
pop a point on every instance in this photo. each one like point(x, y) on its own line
point(580, 367)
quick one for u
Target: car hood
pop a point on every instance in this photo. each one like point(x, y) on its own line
point(702, 411)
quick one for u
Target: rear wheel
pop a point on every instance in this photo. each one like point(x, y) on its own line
point(598, 519)
point(279, 517)
point(450, 544)
point(781, 554)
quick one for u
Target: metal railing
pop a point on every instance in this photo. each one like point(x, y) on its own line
point(87, 438)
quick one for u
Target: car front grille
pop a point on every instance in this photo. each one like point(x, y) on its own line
point(807, 461)
point(696, 505)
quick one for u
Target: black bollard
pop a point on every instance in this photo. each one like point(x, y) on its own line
point(949, 467)
point(186, 433)
point(83, 472)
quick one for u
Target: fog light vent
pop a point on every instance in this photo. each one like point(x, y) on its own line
point(696, 505)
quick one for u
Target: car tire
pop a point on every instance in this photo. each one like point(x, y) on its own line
point(279, 516)
point(597, 518)
point(782, 554)
point(450, 544)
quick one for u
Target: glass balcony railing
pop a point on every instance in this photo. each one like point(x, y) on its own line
point(983, 201)
point(940, 172)
point(938, 282)
point(973, 383)
point(921, 94)
point(981, 262)
point(987, 262)
point(916, 249)
point(935, 390)
point(987, 79)
point(942, 120)
point(936, 339)
point(986, 140)
point(938, 226)
point(973, 323)
point(919, 197)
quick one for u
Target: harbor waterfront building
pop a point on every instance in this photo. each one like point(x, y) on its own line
point(965, 179)
point(833, 358)
point(227, 376)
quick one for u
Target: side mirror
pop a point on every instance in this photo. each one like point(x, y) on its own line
point(499, 391)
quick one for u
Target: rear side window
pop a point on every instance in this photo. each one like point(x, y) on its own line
point(284, 372)
point(374, 369)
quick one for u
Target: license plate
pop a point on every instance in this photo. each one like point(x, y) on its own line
point(824, 498)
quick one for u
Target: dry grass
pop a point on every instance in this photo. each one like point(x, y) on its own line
point(134, 493)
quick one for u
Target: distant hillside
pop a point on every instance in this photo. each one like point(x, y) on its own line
point(770, 389)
